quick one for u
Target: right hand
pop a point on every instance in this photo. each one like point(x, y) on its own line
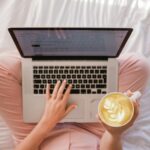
point(56, 106)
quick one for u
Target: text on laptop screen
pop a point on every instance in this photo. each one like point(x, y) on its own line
point(69, 42)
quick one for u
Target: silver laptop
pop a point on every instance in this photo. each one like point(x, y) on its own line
point(85, 57)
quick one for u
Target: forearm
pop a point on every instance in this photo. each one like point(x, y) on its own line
point(110, 142)
point(34, 139)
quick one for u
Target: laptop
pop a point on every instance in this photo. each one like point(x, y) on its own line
point(85, 57)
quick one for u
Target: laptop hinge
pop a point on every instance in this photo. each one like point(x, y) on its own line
point(68, 58)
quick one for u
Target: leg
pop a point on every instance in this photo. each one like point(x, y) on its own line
point(133, 75)
point(11, 96)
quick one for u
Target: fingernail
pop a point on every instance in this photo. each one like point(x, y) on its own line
point(65, 81)
point(75, 106)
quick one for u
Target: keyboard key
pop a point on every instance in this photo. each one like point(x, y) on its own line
point(100, 81)
point(40, 71)
point(68, 76)
point(94, 76)
point(82, 86)
point(50, 71)
point(42, 86)
point(103, 71)
point(104, 92)
point(96, 71)
point(48, 76)
point(88, 91)
point(35, 71)
point(90, 81)
point(55, 71)
point(53, 76)
point(86, 71)
point(65, 71)
point(83, 91)
point(37, 81)
point(79, 76)
point(91, 71)
point(75, 91)
point(87, 86)
point(88, 76)
point(35, 67)
point(49, 81)
point(45, 71)
point(69, 81)
point(77, 86)
point(84, 81)
point(36, 86)
point(84, 76)
point(79, 81)
point(61, 71)
point(40, 91)
point(74, 81)
point(99, 91)
point(36, 76)
point(81, 71)
point(63, 76)
point(101, 86)
point(95, 81)
point(44, 81)
point(71, 71)
point(35, 91)
point(93, 86)
point(73, 76)
point(58, 76)
point(99, 76)
point(43, 76)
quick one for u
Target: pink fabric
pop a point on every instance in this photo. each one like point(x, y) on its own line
point(133, 75)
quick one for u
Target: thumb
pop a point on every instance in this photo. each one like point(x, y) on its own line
point(70, 108)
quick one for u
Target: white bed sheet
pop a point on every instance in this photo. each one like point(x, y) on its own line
point(85, 13)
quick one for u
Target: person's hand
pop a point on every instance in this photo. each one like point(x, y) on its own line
point(120, 130)
point(56, 106)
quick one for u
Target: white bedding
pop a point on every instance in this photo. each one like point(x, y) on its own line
point(93, 13)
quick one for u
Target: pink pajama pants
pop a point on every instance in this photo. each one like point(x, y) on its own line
point(133, 74)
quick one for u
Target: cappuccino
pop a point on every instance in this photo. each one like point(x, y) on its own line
point(116, 109)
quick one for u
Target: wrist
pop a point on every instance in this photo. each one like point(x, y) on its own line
point(114, 135)
point(46, 125)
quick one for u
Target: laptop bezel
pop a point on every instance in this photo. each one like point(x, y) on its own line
point(38, 57)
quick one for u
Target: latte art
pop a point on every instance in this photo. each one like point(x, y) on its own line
point(116, 109)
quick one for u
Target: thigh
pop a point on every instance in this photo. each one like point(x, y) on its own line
point(133, 75)
point(11, 95)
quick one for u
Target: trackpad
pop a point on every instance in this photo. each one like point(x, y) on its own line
point(94, 106)
point(79, 112)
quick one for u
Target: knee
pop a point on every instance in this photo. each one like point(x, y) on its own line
point(133, 72)
point(10, 65)
point(135, 64)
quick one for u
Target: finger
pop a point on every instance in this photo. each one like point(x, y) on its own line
point(47, 94)
point(70, 108)
point(67, 93)
point(136, 112)
point(129, 93)
point(61, 90)
point(54, 95)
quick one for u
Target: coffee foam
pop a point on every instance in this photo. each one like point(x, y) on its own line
point(116, 109)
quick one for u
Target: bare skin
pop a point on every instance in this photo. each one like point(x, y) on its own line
point(55, 110)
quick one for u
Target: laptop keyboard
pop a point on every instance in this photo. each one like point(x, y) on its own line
point(84, 79)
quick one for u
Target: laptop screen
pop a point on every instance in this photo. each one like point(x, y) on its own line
point(70, 41)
